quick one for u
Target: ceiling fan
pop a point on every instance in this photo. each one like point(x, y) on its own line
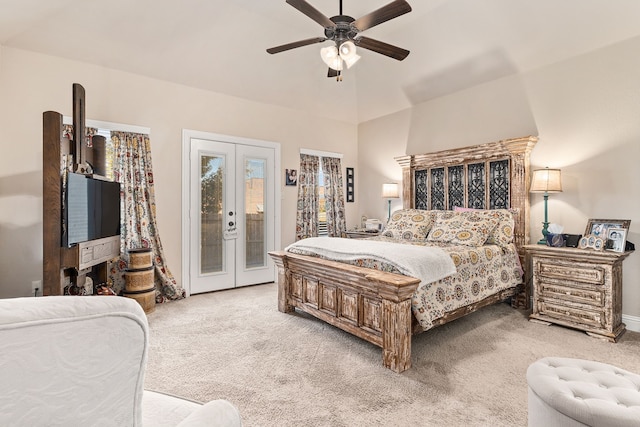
point(344, 31)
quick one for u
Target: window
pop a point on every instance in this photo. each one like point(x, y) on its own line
point(109, 154)
point(320, 210)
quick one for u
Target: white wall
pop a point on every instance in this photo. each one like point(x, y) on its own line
point(586, 112)
point(31, 83)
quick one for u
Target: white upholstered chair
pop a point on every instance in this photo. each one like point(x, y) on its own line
point(80, 361)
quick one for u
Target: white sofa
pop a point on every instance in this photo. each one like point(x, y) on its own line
point(80, 361)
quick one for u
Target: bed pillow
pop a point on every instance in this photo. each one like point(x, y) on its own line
point(409, 224)
point(502, 235)
point(471, 228)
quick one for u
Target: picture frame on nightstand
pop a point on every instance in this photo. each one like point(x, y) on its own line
point(599, 227)
point(616, 239)
point(612, 231)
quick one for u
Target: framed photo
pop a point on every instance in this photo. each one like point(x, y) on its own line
point(599, 227)
point(290, 177)
point(612, 231)
point(350, 185)
point(616, 238)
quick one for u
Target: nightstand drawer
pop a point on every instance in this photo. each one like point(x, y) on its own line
point(565, 313)
point(593, 274)
point(592, 297)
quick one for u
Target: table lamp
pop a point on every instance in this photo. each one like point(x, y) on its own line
point(390, 191)
point(546, 181)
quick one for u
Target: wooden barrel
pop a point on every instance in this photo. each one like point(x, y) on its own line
point(139, 279)
point(146, 299)
point(140, 258)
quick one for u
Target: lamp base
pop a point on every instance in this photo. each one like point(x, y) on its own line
point(545, 229)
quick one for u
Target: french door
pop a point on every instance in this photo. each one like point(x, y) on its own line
point(232, 214)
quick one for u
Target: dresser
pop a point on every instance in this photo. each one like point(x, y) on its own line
point(578, 288)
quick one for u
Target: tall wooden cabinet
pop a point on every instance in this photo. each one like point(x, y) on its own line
point(578, 288)
point(64, 266)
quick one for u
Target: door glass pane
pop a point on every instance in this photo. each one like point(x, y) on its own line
point(211, 205)
point(254, 205)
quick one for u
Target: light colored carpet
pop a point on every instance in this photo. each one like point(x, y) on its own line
point(292, 370)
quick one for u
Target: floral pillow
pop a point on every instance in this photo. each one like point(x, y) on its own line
point(409, 224)
point(502, 235)
point(470, 228)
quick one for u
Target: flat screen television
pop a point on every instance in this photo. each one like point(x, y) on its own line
point(91, 209)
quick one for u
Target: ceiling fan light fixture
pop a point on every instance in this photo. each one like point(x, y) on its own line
point(331, 57)
point(344, 31)
point(348, 53)
point(347, 49)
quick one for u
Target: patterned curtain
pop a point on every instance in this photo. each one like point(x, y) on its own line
point(132, 168)
point(334, 196)
point(307, 214)
point(67, 132)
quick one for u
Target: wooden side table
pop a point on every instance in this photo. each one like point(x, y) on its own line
point(361, 233)
point(578, 288)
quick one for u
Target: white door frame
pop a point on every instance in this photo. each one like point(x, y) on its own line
point(187, 135)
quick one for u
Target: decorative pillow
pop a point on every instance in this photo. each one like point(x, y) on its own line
point(409, 224)
point(502, 235)
point(470, 228)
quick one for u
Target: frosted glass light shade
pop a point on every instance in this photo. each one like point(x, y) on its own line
point(348, 53)
point(390, 191)
point(546, 181)
point(331, 57)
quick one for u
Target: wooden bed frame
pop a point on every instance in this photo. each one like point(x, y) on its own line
point(375, 305)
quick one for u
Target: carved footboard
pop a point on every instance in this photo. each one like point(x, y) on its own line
point(370, 304)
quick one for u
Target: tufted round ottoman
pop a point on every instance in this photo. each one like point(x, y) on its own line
point(573, 392)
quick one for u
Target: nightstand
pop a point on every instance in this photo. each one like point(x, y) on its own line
point(578, 288)
point(361, 233)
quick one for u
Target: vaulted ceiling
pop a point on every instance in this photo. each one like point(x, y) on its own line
point(220, 45)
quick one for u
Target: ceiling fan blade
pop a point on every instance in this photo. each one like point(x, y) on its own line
point(294, 45)
point(378, 16)
point(311, 12)
point(381, 47)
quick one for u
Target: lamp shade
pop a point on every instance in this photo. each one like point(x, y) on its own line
point(331, 57)
point(390, 191)
point(546, 181)
point(348, 53)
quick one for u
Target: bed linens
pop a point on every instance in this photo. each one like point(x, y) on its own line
point(478, 271)
point(423, 262)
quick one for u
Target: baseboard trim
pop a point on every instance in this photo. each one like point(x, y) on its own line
point(632, 322)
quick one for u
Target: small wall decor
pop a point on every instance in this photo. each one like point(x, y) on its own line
point(350, 185)
point(291, 177)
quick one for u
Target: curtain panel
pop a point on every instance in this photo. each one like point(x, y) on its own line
point(308, 206)
point(133, 169)
point(334, 196)
point(67, 132)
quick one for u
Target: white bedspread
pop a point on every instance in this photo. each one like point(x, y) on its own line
point(428, 264)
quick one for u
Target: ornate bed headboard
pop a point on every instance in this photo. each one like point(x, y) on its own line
point(486, 176)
